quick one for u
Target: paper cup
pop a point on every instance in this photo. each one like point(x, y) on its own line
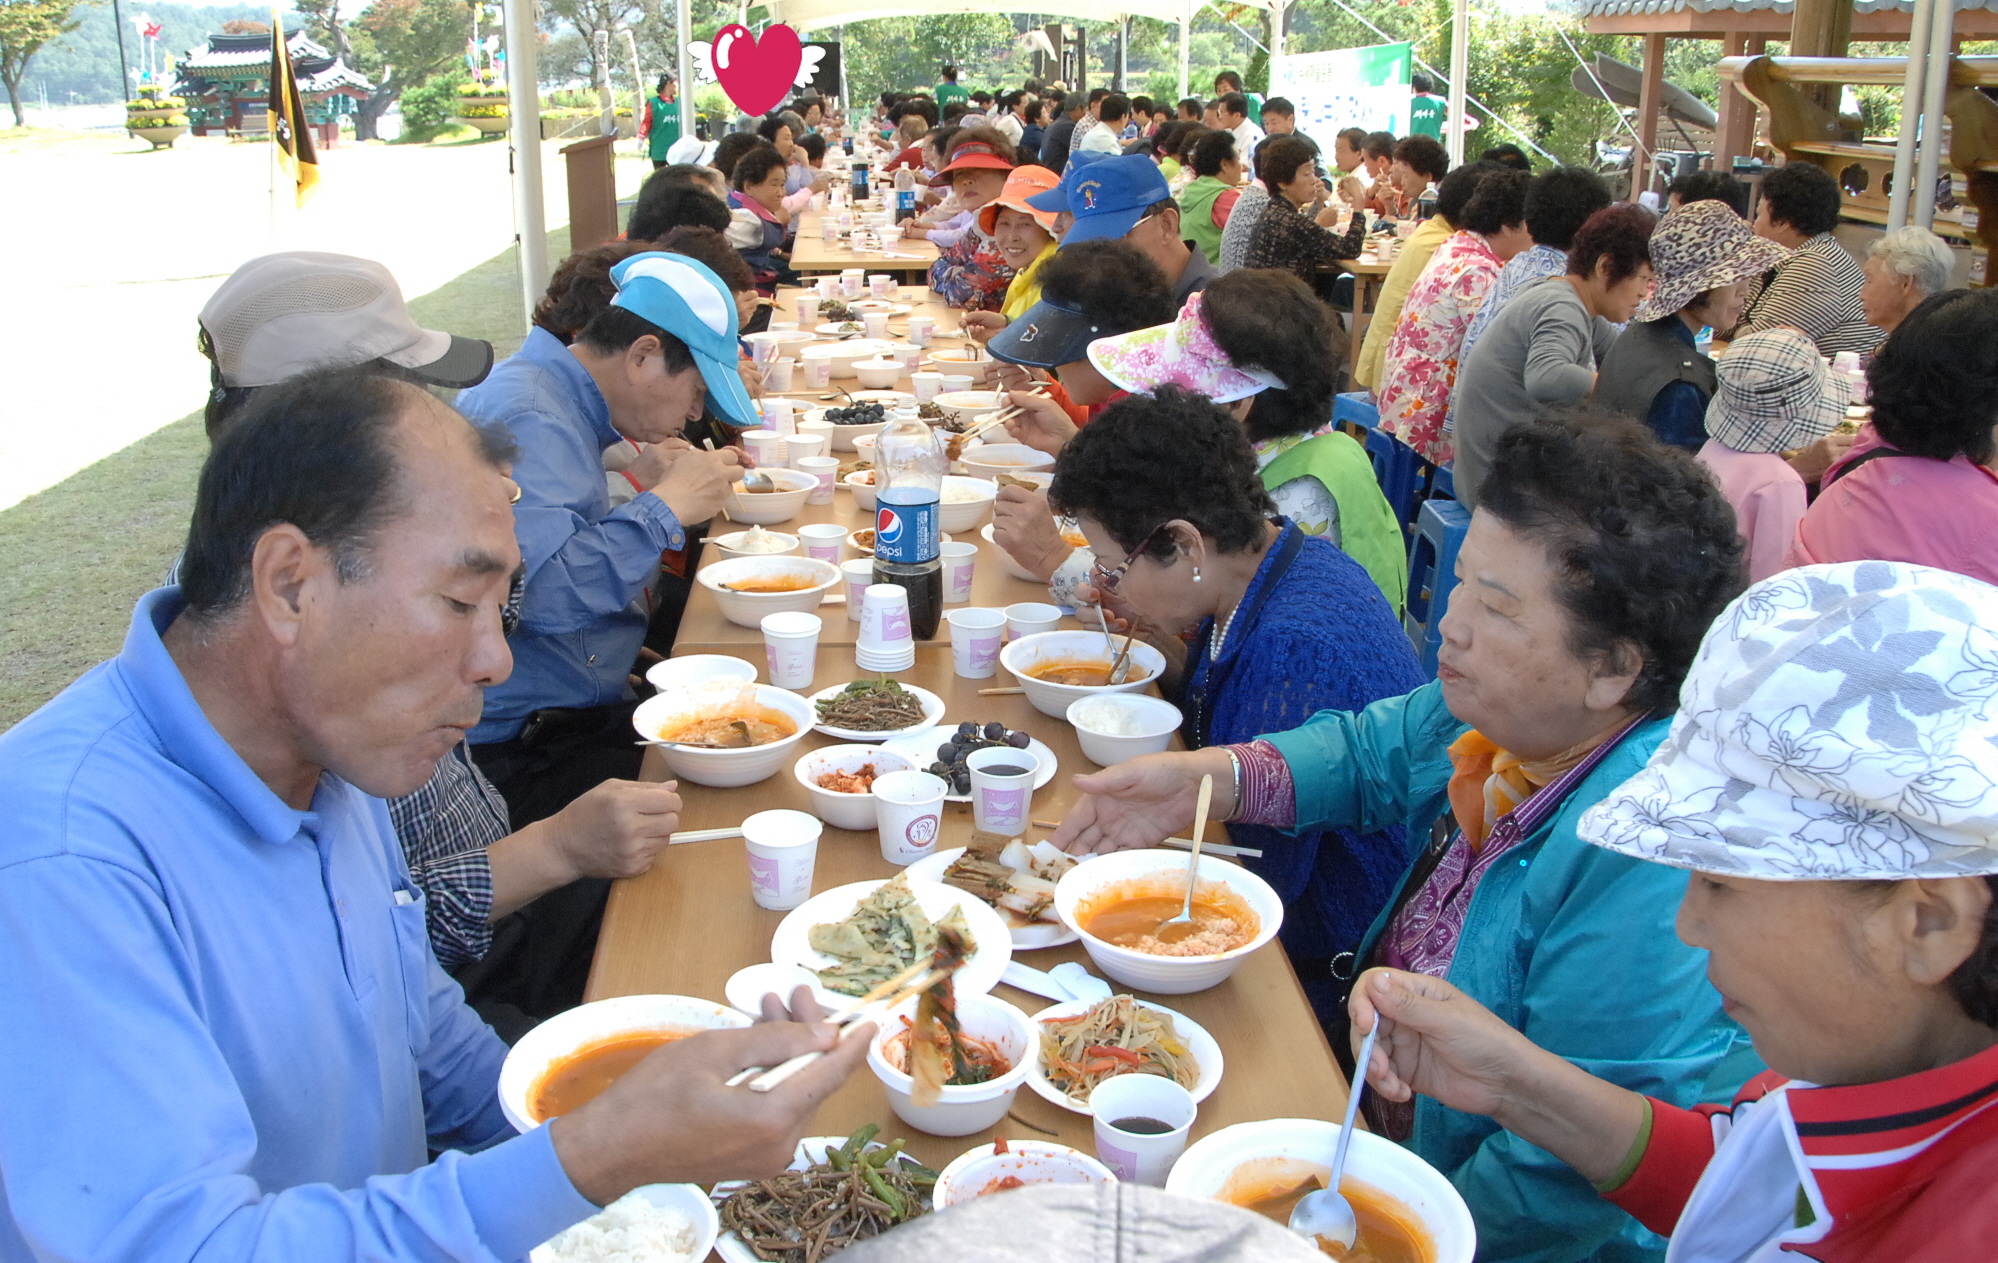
point(858, 576)
point(799, 446)
point(920, 329)
point(825, 472)
point(926, 385)
point(778, 375)
point(829, 229)
point(975, 637)
point(953, 382)
point(765, 447)
point(1141, 1157)
point(958, 562)
point(818, 374)
point(850, 286)
point(884, 618)
point(999, 799)
point(822, 540)
point(908, 810)
point(882, 284)
point(783, 848)
point(874, 324)
point(791, 646)
point(808, 309)
point(909, 357)
point(763, 346)
point(1030, 618)
point(828, 285)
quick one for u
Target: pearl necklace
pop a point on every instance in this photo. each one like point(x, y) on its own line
point(1219, 636)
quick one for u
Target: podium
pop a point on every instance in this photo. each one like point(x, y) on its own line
point(592, 191)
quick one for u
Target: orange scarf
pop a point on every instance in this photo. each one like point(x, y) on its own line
point(1489, 782)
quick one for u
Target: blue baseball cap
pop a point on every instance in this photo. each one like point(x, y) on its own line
point(690, 302)
point(1108, 198)
point(1055, 200)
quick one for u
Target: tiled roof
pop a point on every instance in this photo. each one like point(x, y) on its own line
point(227, 51)
point(1609, 8)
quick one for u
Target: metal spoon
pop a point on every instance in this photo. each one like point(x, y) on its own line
point(1184, 926)
point(1326, 1212)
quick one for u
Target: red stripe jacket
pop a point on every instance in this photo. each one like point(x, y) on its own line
point(1904, 1171)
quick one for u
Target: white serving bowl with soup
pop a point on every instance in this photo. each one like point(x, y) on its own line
point(570, 1058)
point(977, 1172)
point(965, 502)
point(776, 720)
point(1408, 1212)
point(1058, 667)
point(989, 460)
point(961, 1111)
point(767, 508)
point(747, 588)
point(861, 483)
point(1116, 901)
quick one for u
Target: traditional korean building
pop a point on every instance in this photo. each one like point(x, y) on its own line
point(227, 90)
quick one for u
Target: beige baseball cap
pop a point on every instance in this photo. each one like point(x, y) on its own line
point(281, 315)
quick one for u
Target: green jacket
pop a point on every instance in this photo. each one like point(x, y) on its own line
point(663, 126)
point(1570, 944)
point(1196, 215)
point(1368, 530)
point(946, 93)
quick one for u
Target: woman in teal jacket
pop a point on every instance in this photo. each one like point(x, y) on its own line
point(1591, 571)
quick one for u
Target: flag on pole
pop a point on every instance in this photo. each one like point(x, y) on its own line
point(289, 130)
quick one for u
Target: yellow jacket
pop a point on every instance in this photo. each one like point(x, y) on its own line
point(1025, 289)
point(1408, 265)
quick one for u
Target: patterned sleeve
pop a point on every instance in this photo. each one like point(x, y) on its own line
point(445, 829)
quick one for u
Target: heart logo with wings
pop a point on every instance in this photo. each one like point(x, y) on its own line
point(757, 74)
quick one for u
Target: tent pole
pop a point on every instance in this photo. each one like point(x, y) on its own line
point(1276, 48)
point(1123, 52)
point(683, 70)
point(1186, 51)
point(1911, 116)
point(1460, 62)
point(1942, 29)
point(530, 222)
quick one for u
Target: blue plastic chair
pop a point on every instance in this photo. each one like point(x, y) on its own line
point(1400, 473)
point(1356, 409)
point(1442, 483)
point(1432, 573)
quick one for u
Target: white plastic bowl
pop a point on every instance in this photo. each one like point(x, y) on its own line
point(722, 769)
point(1006, 561)
point(1029, 1161)
point(690, 1200)
point(989, 460)
point(767, 508)
point(1160, 719)
point(879, 373)
point(746, 609)
point(1283, 1147)
point(863, 444)
point(965, 515)
point(854, 812)
point(844, 355)
point(558, 1038)
point(962, 405)
point(842, 437)
point(961, 363)
point(1147, 664)
point(699, 668)
point(727, 545)
point(962, 1110)
point(1164, 872)
point(861, 483)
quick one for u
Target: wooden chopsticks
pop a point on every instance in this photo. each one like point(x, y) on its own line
point(914, 980)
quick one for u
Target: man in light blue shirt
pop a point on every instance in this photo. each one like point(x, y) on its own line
point(640, 370)
point(224, 1035)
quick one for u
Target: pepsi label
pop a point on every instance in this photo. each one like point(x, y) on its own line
point(907, 534)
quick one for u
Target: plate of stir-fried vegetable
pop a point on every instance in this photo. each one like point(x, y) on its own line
point(875, 709)
point(840, 1190)
point(1082, 1044)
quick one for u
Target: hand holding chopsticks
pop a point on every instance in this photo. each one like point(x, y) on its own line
point(914, 980)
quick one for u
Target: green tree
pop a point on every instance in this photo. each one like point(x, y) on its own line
point(909, 54)
point(26, 25)
point(82, 66)
point(396, 43)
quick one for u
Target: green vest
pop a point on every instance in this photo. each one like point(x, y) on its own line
point(1196, 215)
point(1368, 531)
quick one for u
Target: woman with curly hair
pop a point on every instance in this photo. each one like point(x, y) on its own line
point(1165, 485)
point(1596, 560)
point(1917, 485)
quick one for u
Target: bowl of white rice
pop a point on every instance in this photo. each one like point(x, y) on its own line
point(1112, 727)
point(656, 1223)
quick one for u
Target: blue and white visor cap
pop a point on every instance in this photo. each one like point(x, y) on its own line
point(1839, 723)
point(690, 302)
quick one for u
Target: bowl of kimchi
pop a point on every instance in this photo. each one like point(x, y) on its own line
point(999, 1046)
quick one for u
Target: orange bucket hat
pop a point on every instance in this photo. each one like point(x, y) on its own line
point(1024, 183)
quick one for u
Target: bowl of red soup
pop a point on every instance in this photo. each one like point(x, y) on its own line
point(724, 733)
point(1407, 1211)
point(1118, 904)
point(570, 1059)
point(1005, 1165)
point(1059, 667)
point(747, 588)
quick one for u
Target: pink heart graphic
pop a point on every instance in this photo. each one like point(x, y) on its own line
point(757, 75)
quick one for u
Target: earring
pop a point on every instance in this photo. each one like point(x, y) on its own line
point(1196, 574)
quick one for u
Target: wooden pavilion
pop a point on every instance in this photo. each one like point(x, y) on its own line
point(227, 85)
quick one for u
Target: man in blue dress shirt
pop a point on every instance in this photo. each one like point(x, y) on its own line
point(640, 370)
point(224, 1035)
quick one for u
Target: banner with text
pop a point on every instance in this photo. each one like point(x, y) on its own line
point(1346, 87)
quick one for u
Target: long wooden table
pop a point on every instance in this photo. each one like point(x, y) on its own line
point(810, 252)
point(687, 925)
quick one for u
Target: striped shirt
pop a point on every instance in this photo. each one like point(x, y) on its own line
point(445, 828)
point(1815, 290)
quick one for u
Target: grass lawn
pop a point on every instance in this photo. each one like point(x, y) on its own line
point(75, 558)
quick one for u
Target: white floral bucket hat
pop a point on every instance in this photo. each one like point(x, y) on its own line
point(1183, 353)
point(1840, 722)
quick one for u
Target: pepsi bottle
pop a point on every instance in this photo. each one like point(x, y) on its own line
point(908, 546)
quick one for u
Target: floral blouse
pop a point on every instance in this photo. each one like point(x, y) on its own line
point(1420, 370)
point(1288, 239)
point(970, 273)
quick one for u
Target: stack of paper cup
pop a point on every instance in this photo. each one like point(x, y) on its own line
point(799, 446)
point(765, 447)
point(926, 385)
point(822, 540)
point(958, 560)
point(826, 470)
point(874, 324)
point(791, 644)
point(908, 810)
point(783, 849)
point(885, 642)
point(919, 329)
point(857, 576)
point(975, 635)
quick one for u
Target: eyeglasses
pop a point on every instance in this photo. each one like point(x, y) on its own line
point(1107, 580)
